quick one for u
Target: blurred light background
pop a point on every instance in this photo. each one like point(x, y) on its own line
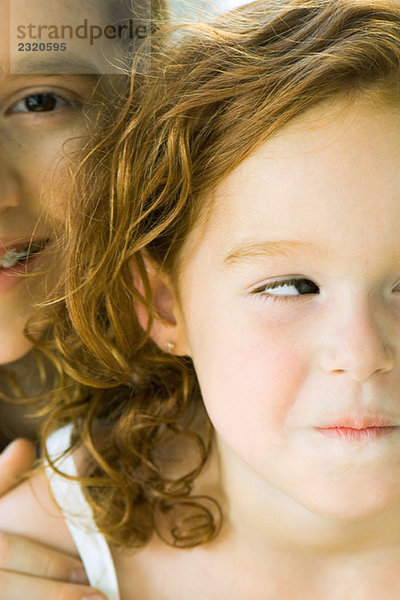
point(189, 9)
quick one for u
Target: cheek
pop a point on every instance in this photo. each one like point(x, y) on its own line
point(46, 171)
point(55, 191)
point(250, 369)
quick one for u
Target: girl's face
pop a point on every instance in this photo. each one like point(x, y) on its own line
point(290, 300)
point(38, 114)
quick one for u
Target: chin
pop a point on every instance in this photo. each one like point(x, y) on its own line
point(14, 349)
point(353, 503)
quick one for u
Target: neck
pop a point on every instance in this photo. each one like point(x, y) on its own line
point(18, 380)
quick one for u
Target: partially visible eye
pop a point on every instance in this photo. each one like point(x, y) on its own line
point(287, 289)
point(42, 102)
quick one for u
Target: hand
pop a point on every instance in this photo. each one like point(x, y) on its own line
point(34, 571)
point(29, 569)
point(15, 460)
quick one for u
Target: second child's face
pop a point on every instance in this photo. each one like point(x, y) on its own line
point(290, 302)
point(39, 115)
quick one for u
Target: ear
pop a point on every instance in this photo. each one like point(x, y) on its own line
point(168, 329)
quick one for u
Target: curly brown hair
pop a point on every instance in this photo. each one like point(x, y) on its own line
point(215, 92)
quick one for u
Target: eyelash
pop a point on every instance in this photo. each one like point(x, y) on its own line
point(261, 294)
point(67, 103)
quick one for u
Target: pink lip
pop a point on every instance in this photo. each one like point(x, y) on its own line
point(357, 428)
point(10, 243)
point(11, 277)
point(356, 435)
point(357, 423)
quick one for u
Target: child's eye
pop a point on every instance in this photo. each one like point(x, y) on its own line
point(42, 102)
point(287, 289)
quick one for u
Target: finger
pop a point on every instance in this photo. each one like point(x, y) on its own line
point(15, 586)
point(15, 460)
point(26, 556)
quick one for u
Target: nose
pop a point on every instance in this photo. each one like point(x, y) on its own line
point(356, 341)
point(10, 189)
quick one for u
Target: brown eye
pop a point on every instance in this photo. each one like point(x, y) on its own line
point(41, 102)
point(290, 287)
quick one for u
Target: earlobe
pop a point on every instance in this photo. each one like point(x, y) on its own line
point(167, 328)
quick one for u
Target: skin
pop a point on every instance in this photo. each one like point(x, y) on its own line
point(326, 511)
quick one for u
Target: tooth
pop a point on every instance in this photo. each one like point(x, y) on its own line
point(11, 258)
point(22, 252)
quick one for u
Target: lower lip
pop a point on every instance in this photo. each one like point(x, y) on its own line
point(12, 276)
point(356, 435)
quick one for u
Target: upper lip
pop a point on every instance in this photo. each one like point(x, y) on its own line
point(357, 423)
point(7, 244)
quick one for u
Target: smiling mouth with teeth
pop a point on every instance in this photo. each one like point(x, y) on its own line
point(21, 253)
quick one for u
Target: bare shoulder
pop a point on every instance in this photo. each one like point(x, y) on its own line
point(31, 511)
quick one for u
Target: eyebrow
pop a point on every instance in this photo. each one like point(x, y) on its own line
point(248, 250)
point(65, 64)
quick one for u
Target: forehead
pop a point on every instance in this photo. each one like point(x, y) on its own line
point(52, 21)
point(324, 175)
point(56, 11)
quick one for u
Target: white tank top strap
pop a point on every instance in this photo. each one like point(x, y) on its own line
point(91, 544)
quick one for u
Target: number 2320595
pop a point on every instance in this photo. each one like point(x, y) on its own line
point(42, 47)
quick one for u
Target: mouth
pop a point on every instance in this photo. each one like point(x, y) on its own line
point(20, 254)
point(358, 429)
point(356, 435)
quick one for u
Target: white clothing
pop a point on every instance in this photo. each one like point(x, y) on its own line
point(90, 543)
